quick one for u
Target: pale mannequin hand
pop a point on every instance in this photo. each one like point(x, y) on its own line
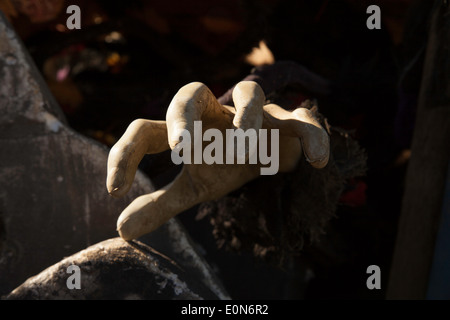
point(299, 133)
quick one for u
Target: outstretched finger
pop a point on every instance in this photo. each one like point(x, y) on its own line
point(248, 98)
point(141, 137)
point(193, 102)
point(301, 123)
point(146, 213)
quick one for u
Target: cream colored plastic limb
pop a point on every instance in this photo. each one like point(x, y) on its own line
point(197, 183)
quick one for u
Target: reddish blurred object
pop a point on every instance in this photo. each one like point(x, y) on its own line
point(355, 194)
point(8, 9)
point(37, 11)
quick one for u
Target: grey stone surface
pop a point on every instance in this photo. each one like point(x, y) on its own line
point(53, 198)
point(113, 269)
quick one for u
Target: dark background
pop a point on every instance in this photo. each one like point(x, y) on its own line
point(130, 58)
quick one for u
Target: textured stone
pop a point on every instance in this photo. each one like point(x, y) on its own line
point(53, 198)
point(114, 269)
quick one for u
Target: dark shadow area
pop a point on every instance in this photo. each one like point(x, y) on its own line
point(129, 59)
